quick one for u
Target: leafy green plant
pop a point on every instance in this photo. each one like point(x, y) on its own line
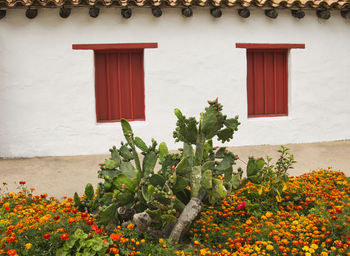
point(272, 180)
point(81, 244)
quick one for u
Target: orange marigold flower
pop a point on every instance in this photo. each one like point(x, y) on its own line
point(12, 252)
point(22, 182)
point(47, 235)
point(115, 237)
point(130, 226)
point(64, 236)
point(114, 250)
point(71, 220)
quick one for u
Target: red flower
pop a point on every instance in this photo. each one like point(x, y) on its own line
point(115, 237)
point(90, 221)
point(64, 236)
point(22, 182)
point(47, 235)
point(12, 252)
point(96, 229)
point(84, 214)
point(242, 205)
point(12, 239)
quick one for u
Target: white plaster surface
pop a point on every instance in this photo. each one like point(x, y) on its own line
point(47, 102)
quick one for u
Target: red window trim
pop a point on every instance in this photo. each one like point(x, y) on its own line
point(112, 48)
point(129, 46)
point(269, 46)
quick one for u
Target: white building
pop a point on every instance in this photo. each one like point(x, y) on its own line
point(287, 77)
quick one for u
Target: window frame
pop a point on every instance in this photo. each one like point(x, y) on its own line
point(117, 48)
point(259, 47)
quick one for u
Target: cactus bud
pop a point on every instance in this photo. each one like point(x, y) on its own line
point(123, 186)
point(172, 197)
point(217, 98)
point(173, 168)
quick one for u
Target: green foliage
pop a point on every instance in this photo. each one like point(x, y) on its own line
point(132, 183)
point(81, 244)
point(201, 171)
point(201, 166)
point(272, 176)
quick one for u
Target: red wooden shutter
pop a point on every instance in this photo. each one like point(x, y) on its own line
point(267, 82)
point(119, 85)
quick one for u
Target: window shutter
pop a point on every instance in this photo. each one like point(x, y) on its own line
point(119, 85)
point(267, 82)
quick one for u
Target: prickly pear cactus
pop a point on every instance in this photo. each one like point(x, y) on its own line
point(205, 165)
point(132, 183)
point(199, 172)
point(207, 170)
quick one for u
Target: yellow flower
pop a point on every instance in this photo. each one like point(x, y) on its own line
point(314, 246)
point(28, 246)
point(307, 254)
point(268, 214)
point(324, 254)
point(269, 247)
point(306, 248)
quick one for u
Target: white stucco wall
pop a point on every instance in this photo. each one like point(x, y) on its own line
point(47, 89)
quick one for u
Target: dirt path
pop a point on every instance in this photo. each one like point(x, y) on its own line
point(62, 176)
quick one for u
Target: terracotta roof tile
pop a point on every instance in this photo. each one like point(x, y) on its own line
point(337, 4)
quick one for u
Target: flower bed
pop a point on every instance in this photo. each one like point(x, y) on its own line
point(311, 217)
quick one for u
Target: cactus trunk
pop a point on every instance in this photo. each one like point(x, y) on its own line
point(187, 216)
point(199, 149)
